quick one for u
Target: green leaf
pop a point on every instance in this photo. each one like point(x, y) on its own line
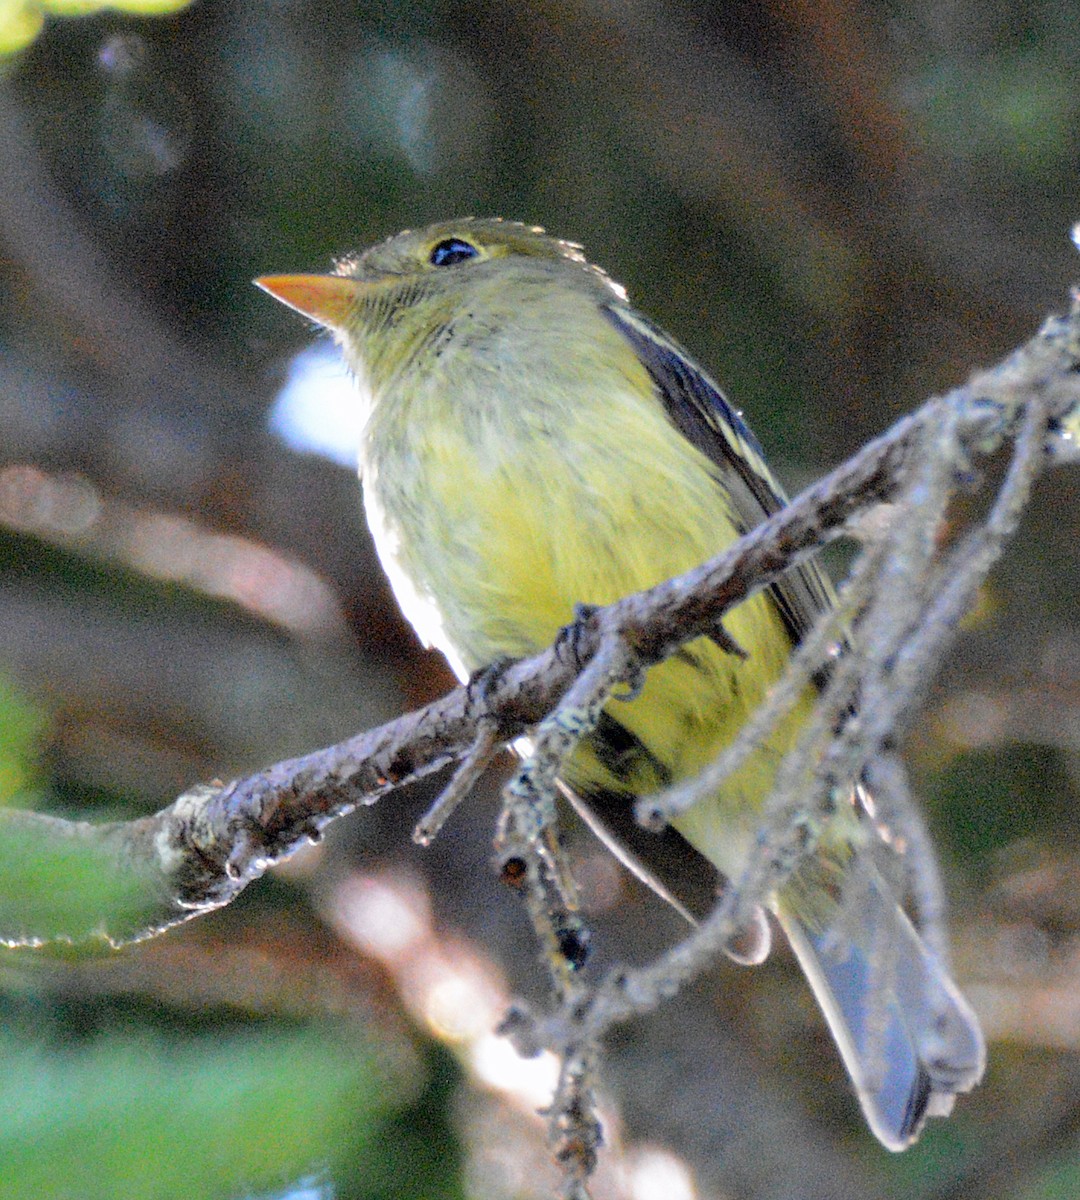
point(200, 1120)
point(58, 887)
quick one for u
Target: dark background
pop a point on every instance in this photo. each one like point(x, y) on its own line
point(840, 209)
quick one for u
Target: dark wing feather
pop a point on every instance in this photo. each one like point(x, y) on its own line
point(698, 409)
point(668, 864)
point(701, 413)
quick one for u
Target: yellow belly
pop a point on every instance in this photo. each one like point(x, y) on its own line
point(491, 539)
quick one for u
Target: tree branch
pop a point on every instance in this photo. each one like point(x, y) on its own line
point(202, 850)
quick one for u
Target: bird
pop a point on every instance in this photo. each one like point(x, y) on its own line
point(532, 443)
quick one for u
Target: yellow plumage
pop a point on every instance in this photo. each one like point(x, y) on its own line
point(533, 443)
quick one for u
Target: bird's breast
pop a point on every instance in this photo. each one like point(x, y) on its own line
point(498, 505)
point(497, 509)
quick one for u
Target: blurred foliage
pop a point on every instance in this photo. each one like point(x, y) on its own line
point(22, 727)
point(194, 1119)
point(22, 20)
point(95, 1104)
point(840, 209)
point(1057, 1181)
point(989, 801)
point(58, 889)
point(51, 888)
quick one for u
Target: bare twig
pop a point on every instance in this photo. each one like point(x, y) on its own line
point(469, 770)
point(527, 832)
point(200, 851)
point(898, 611)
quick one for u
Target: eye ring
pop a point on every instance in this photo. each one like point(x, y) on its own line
point(451, 251)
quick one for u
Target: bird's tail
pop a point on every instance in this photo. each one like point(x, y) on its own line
point(908, 1038)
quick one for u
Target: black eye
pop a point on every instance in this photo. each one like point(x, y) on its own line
point(452, 251)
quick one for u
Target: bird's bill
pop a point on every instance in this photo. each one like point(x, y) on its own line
point(327, 299)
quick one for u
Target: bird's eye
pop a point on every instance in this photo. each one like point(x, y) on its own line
point(452, 251)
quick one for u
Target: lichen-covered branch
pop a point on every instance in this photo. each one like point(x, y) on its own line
point(199, 852)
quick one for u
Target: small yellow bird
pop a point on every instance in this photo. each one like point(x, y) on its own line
point(531, 443)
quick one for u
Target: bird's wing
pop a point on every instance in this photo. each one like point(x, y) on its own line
point(702, 414)
point(696, 406)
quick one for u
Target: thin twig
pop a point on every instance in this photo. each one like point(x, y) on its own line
point(462, 782)
point(200, 851)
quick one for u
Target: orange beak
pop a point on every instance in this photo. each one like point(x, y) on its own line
point(327, 299)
